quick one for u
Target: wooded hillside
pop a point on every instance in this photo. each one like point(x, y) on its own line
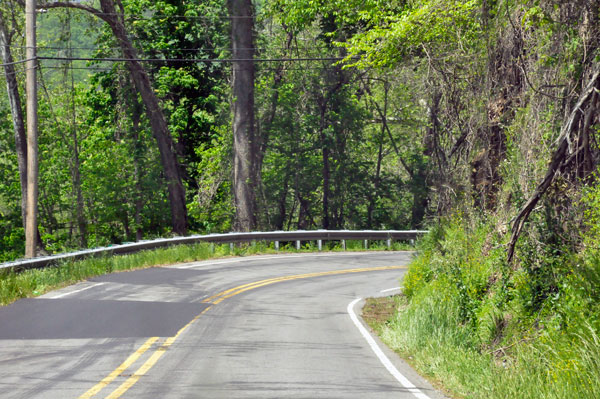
point(361, 115)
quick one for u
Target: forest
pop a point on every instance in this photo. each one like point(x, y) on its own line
point(331, 146)
point(478, 120)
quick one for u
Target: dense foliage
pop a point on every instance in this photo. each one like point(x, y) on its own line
point(336, 146)
point(476, 118)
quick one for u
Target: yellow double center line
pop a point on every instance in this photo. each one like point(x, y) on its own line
point(213, 300)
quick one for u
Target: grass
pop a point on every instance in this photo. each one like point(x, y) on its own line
point(35, 282)
point(481, 329)
point(440, 350)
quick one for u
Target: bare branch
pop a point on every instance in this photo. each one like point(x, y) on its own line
point(60, 4)
point(559, 159)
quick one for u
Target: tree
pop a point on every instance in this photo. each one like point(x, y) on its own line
point(16, 109)
point(245, 173)
point(160, 130)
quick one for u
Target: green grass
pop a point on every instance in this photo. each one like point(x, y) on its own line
point(440, 349)
point(482, 329)
point(35, 282)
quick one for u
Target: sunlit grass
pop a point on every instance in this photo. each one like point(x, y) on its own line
point(468, 321)
point(439, 348)
point(35, 282)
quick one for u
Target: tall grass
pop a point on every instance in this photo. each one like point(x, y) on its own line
point(486, 330)
point(31, 283)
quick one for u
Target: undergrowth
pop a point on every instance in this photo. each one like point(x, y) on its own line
point(486, 329)
point(35, 282)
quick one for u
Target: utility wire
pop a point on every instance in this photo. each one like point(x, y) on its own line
point(197, 60)
point(17, 62)
point(161, 16)
point(107, 69)
point(91, 68)
point(163, 49)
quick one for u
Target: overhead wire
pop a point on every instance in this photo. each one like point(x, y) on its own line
point(59, 48)
point(168, 60)
point(194, 60)
point(159, 16)
point(107, 69)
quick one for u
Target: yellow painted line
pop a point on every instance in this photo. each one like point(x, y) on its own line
point(218, 298)
point(210, 299)
point(124, 387)
point(215, 299)
point(124, 366)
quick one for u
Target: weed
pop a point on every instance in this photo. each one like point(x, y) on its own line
point(486, 330)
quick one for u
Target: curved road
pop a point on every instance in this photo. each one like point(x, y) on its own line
point(255, 327)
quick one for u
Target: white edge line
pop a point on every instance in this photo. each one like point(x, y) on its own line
point(382, 357)
point(274, 256)
point(75, 292)
point(391, 289)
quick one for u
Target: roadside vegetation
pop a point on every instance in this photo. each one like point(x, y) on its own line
point(503, 299)
point(35, 282)
point(477, 119)
point(485, 329)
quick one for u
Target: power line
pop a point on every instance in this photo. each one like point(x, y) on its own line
point(17, 62)
point(59, 48)
point(196, 60)
point(161, 16)
point(107, 69)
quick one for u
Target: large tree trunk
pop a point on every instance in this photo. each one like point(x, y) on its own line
point(16, 109)
point(18, 118)
point(244, 142)
point(76, 161)
point(158, 124)
point(157, 120)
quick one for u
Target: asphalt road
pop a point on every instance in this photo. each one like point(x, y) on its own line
point(255, 327)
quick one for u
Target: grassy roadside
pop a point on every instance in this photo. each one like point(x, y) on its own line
point(35, 282)
point(482, 329)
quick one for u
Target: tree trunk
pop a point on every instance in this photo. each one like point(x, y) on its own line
point(377, 180)
point(326, 170)
point(157, 120)
point(158, 124)
point(137, 170)
point(244, 141)
point(16, 109)
point(79, 208)
point(76, 161)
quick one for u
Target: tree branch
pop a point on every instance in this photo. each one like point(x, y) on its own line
point(557, 162)
point(60, 4)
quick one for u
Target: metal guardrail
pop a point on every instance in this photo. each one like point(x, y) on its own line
point(272, 236)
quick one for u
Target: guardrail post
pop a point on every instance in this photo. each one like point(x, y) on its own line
point(224, 239)
point(320, 245)
point(366, 244)
point(389, 243)
point(212, 247)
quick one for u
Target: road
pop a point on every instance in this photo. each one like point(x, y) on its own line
point(255, 327)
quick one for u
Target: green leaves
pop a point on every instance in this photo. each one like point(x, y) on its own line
point(414, 30)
